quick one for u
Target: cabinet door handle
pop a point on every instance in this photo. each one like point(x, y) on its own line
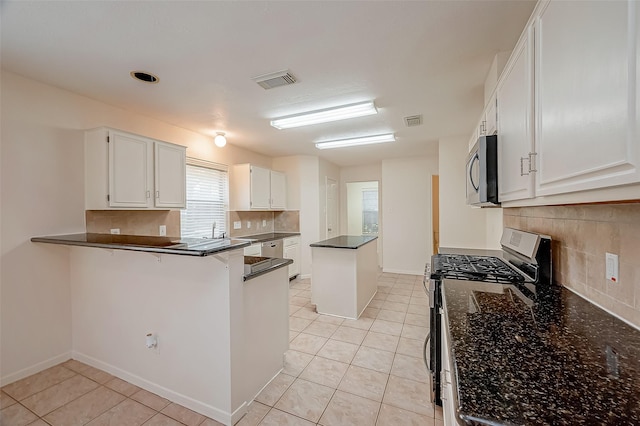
point(148, 194)
point(157, 194)
point(522, 172)
point(532, 162)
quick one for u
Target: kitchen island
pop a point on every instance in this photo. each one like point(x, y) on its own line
point(537, 356)
point(221, 334)
point(344, 275)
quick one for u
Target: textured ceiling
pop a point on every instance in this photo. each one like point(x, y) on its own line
point(419, 57)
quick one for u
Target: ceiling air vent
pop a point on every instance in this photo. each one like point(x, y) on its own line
point(276, 79)
point(413, 120)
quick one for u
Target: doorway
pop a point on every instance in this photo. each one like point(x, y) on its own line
point(435, 211)
point(332, 208)
point(363, 208)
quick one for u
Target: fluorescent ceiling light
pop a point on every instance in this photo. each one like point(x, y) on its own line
point(364, 140)
point(325, 115)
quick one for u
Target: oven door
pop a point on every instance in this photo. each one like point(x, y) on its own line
point(433, 342)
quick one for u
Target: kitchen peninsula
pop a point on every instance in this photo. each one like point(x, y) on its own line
point(221, 335)
point(343, 281)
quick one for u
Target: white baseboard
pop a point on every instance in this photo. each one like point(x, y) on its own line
point(26, 372)
point(195, 405)
point(304, 276)
point(403, 271)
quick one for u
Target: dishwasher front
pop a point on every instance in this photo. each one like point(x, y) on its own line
point(272, 249)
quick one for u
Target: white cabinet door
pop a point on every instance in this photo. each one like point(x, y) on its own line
point(292, 252)
point(587, 94)
point(278, 190)
point(130, 170)
point(170, 175)
point(515, 112)
point(260, 188)
point(491, 117)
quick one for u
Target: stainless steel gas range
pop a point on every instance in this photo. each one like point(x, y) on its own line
point(525, 259)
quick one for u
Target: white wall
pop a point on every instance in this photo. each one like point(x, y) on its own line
point(42, 194)
point(406, 205)
point(303, 189)
point(461, 225)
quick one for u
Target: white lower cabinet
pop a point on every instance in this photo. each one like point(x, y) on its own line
point(291, 250)
point(253, 250)
point(447, 394)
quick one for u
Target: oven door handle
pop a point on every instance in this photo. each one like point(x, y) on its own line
point(424, 351)
point(432, 293)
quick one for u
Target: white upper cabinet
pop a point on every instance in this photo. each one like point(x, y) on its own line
point(169, 177)
point(256, 188)
point(278, 190)
point(127, 171)
point(130, 169)
point(260, 188)
point(515, 127)
point(586, 96)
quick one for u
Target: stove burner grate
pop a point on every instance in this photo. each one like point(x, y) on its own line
point(475, 268)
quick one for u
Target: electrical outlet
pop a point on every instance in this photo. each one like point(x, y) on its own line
point(115, 231)
point(248, 224)
point(264, 222)
point(162, 230)
point(237, 224)
point(612, 267)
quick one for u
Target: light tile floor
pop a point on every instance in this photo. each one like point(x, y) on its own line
point(337, 372)
point(342, 372)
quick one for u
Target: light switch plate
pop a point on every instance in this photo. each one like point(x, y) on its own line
point(612, 267)
point(264, 222)
point(237, 224)
point(162, 230)
point(115, 231)
point(248, 224)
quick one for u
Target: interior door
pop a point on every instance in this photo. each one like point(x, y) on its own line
point(332, 208)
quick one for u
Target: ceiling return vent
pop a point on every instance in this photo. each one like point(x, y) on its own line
point(413, 120)
point(275, 79)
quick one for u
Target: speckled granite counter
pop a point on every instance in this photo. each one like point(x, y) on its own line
point(345, 241)
point(165, 245)
point(521, 358)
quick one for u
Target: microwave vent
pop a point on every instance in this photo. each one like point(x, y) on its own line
point(413, 120)
point(276, 79)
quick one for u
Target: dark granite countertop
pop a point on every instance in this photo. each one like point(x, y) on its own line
point(346, 241)
point(263, 238)
point(272, 264)
point(550, 357)
point(166, 245)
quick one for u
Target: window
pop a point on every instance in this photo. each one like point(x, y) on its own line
point(369, 211)
point(207, 195)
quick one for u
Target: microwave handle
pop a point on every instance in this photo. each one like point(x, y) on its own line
point(471, 163)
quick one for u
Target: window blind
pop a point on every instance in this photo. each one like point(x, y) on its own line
point(207, 195)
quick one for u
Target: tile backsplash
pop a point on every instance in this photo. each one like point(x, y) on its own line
point(582, 234)
point(262, 222)
point(133, 222)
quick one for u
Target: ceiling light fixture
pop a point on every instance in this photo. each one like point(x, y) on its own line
point(364, 140)
point(325, 115)
point(220, 140)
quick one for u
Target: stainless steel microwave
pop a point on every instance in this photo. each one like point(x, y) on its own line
point(482, 173)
